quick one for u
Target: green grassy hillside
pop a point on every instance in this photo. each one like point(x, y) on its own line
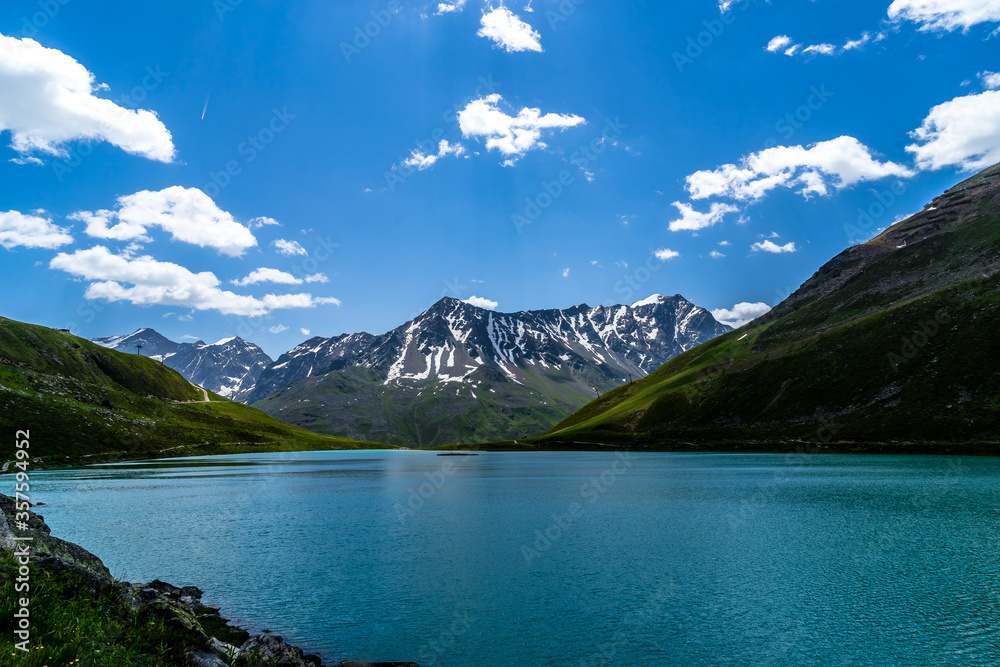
point(891, 346)
point(84, 403)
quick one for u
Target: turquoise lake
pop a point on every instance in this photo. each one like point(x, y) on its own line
point(565, 559)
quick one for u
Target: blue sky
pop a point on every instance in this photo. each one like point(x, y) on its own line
point(278, 146)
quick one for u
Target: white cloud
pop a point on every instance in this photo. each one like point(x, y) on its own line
point(480, 302)
point(511, 135)
point(692, 220)
point(278, 328)
point(964, 132)
point(991, 80)
point(263, 221)
point(783, 44)
point(740, 314)
point(422, 161)
point(48, 101)
point(778, 43)
point(188, 215)
point(164, 283)
point(838, 164)
point(945, 15)
point(565, 273)
point(448, 7)
point(822, 49)
point(31, 231)
point(305, 332)
point(508, 31)
point(724, 243)
point(268, 276)
point(853, 44)
point(715, 254)
point(771, 246)
point(289, 248)
point(666, 254)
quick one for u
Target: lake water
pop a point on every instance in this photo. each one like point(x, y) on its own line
point(566, 559)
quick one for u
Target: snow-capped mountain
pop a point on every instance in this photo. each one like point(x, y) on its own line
point(229, 367)
point(152, 343)
point(557, 358)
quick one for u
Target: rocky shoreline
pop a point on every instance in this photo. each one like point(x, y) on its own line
point(209, 639)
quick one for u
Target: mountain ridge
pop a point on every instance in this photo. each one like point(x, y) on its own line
point(84, 403)
point(493, 373)
point(887, 347)
point(229, 367)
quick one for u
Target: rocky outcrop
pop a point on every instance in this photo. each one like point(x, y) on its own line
point(48, 551)
point(210, 640)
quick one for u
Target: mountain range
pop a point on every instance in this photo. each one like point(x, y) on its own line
point(890, 346)
point(461, 373)
point(83, 403)
point(229, 367)
point(456, 373)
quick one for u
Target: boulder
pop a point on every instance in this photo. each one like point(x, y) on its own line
point(272, 650)
point(51, 552)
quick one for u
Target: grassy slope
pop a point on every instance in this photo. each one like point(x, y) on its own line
point(85, 403)
point(819, 369)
